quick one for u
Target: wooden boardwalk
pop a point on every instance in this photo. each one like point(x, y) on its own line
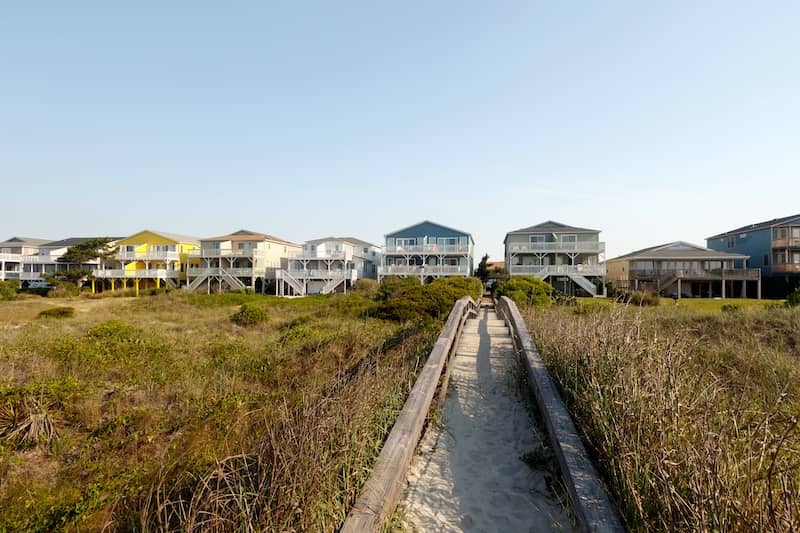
point(469, 474)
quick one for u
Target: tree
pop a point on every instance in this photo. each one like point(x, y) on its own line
point(81, 253)
point(88, 250)
point(482, 271)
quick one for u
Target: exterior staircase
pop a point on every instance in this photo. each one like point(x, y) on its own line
point(232, 281)
point(297, 286)
point(585, 284)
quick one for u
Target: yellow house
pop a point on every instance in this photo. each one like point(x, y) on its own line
point(148, 259)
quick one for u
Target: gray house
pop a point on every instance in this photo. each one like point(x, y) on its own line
point(568, 257)
point(427, 251)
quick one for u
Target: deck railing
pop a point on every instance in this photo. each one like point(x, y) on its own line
point(716, 273)
point(786, 268)
point(120, 273)
point(147, 255)
point(413, 270)
point(412, 249)
point(349, 273)
point(565, 247)
point(556, 270)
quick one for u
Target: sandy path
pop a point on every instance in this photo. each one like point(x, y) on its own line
point(468, 475)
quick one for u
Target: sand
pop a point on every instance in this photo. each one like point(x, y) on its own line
point(468, 474)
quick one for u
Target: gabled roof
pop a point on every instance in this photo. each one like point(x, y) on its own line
point(247, 235)
point(25, 240)
point(551, 226)
point(758, 226)
point(351, 240)
point(72, 241)
point(680, 251)
point(432, 224)
point(169, 236)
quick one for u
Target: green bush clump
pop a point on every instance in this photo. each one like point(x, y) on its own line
point(57, 312)
point(249, 314)
point(8, 290)
point(394, 284)
point(526, 290)
point(63, 289)
point(641, 298)
point(113, 329)
point(414, 302)
point(366, 286)
point(793, 300)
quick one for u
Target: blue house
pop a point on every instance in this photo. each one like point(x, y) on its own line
point(773, 247)
point(427, 251)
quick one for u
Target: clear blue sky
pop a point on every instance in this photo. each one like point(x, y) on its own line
point(652, 121)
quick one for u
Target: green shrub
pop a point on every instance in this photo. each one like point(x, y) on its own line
point(249, 314)
point(8, 290)
point(367, 286)
point(394, 284)
point(414, 302)
point(641, 298)
point(113, 329)
point(63, 289)
point(793, 300)
point(526, 290)
point(57, 312)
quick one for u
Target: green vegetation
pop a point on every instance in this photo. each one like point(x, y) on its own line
point(405, 301)
point(793, 300)
point(690, 410)
point(249, 314)
point(8, 290)
point(526, 290)
point(160, 413)
point(640, 298)
point(57, 312)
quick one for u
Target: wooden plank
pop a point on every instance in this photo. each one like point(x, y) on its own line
point(381, 492)
point(592, 506)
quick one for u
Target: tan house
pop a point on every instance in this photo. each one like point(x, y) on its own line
point(682, 269)
point(242, 259)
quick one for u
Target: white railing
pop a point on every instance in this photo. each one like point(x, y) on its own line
point(413, 270)
point(120, 273)
point(427, 249)
point(565, 247)
point(323, 274)
point(216, 271)
point(15, 258)
point(555, 270)
point(147, 255)
point(320, 254)
point(27, 276)
point(225, 252)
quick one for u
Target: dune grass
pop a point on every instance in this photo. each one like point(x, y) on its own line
point(161, 413)
point(691, 412)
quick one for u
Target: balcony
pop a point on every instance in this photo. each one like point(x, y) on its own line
point(118, 273)
point(556, 247)
point(699, 274)
point(311, 255)
point(11, 258)
point(785, 268)
point(418, 270)
point(216, 271)
point(147, 255)
point(225, 252)
point(556, 270)
point(350, 274)
point(786, 242)
point(433, 249)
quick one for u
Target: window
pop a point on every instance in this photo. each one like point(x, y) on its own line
point(569, 238)
point(536, 238)
point(766, 259)
point(366, 249)
point(450, 241)
point(130, 248)
point(795, 233)
point(731, 242)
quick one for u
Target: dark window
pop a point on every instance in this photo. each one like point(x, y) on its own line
point(766, 259)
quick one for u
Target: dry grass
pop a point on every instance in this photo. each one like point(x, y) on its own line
point(692, 415)
point(160, 413)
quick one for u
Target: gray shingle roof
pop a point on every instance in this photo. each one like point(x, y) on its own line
point(551, 226)
point(757, 226)
point(679, 250)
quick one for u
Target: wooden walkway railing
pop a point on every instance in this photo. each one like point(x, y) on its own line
point(382, 490)
point(592, 507)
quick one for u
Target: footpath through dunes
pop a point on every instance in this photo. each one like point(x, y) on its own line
point(469, 473)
